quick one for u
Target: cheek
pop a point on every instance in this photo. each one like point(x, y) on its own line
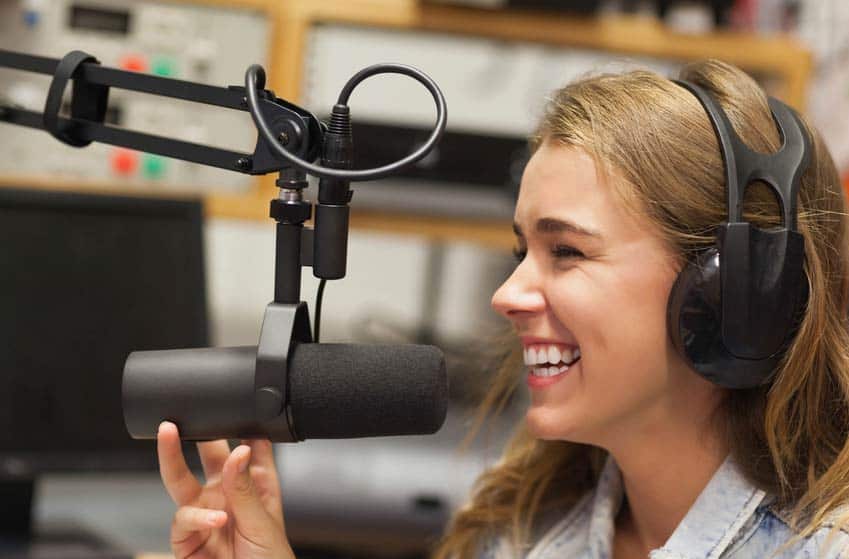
point(619, 320)
point(638, 311)
point(615, 315)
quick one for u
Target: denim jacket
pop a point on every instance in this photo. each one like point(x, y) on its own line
point(731, 519)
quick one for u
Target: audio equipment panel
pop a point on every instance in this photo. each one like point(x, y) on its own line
point(197, 42)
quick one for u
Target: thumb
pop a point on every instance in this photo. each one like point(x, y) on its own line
point(251, 519)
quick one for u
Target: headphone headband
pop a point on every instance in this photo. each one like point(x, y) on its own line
point(781, 170)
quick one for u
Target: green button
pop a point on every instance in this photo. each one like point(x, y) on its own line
point(164, 66)
point(153, 166)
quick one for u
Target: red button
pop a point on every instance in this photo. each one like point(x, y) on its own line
point(134, 63)
point(124, 162)
point(846, 182)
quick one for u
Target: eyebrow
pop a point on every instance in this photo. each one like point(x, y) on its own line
point(552, 225)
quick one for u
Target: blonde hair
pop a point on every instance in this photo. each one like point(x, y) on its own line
point(789, 437)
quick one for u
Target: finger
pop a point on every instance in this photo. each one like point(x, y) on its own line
point(213, 454)
point(263, 468)
point(179, 481)
point(192, 527)
point(264, 473)
point(262, 454)
point(251, 518)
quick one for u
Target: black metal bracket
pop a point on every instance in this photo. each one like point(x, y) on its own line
point(283, 327)
point(88, 101)
point(294, 127)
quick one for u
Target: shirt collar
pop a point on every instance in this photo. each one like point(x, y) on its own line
point(720, 511)
point(605, 506)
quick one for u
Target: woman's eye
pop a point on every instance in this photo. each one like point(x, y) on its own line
point(560, 251)
point(564, 251)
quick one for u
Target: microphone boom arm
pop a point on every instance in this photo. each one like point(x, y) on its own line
point(289, 138)
point(302, 128)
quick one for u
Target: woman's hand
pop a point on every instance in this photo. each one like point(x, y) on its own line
point(238, 514)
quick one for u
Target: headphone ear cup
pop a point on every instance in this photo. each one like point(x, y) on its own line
point(694, 320)
point(694, 310)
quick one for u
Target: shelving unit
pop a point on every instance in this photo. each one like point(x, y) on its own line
point(780, 60)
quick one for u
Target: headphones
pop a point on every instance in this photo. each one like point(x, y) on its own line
point(733, 311)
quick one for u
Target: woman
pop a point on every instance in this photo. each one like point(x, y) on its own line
point(625, 450)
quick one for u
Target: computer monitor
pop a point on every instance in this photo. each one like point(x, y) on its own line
point(84, 280)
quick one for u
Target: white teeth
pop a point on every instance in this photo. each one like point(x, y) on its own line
point(549, 371)
point(549, 355)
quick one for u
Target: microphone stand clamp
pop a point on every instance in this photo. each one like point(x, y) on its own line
point(286, 321)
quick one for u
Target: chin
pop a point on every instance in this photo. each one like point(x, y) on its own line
point(547, 424)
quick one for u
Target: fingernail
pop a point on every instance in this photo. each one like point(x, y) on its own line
point(213, 517)
point(243, 465)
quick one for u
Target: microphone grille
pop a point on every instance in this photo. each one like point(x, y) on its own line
point(355, 390)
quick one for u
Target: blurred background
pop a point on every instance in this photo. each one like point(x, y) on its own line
point(105, 250)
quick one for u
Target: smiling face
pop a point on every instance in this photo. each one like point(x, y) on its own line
point(593, 278)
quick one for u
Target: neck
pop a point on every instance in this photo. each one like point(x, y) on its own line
point(662, 478)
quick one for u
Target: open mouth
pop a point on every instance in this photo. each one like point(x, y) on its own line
point(547, 360)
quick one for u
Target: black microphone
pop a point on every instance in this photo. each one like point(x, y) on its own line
point(333, 391)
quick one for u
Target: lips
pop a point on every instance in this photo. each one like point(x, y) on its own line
point(533, 340)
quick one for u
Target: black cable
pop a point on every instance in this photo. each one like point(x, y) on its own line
point(255, 80)
point(318, 299)
point(255, 77)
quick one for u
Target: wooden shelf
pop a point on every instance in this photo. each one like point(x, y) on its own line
point(497, 234)
point(779, 56)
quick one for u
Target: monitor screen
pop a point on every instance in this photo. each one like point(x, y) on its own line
point(84, 280)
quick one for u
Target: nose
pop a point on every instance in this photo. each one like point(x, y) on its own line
point(520, 296)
